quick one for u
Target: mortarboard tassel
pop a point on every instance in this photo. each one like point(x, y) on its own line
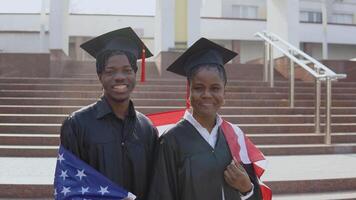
point(143, 65)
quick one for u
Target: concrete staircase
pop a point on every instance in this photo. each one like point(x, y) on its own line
point(32, 110)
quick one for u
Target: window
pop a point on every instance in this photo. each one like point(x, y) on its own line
point(247, 12)
point(342, 18)
point(310, 16)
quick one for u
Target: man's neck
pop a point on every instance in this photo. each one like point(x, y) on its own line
point(120, 109)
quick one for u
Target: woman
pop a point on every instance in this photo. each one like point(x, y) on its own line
point(194, 160)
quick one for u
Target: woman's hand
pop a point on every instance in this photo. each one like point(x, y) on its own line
point(236, 176)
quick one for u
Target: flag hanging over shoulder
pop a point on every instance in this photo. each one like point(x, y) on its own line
point(74, 179)
point(240, 146)
point(164, 120)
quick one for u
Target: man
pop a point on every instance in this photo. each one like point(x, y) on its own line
point(110, 135)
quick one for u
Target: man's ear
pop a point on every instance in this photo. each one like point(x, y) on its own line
point(100, 77)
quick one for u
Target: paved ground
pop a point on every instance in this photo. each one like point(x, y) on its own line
point(280, 168)
point(310, 167)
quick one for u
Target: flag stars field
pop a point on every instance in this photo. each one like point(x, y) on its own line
point(65, 190)
point(80, 174)
point(84, 190)
point(76, 179)
point(64, 175)
point(103, 190)
point(60, 157)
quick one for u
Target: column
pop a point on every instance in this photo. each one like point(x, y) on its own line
point(283, 20)
point(58, 26)
point(164, 25)
point(193, 23)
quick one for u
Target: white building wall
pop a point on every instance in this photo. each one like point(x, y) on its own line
point(22, 42)
point(337, 34)
point(231, 29)
point(227, 6)
point(22, 34)
point(211, 8)
point(94, 25)
point(20, 22)
point(310, 5)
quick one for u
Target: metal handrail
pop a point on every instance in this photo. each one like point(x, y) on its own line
point(292, 57)
point(319, 71)
point(328, 71)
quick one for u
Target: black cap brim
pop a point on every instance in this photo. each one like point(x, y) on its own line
point(201, 52)
point(124, 39)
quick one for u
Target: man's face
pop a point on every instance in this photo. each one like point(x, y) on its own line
point(118, 79)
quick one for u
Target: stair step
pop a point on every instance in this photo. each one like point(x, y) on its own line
point(166, 102)
point(177, 86)
point(269, 150)
point(258, 139)
point(62, 109)
point(239, 119)
point(162, 94)
point(34, 128)
point(308, 149)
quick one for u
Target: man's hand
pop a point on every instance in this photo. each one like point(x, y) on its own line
point(236, 176)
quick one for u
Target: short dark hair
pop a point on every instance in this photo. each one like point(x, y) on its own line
point(103, 58)
point(220, 70)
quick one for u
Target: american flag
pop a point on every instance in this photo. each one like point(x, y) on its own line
point(76, 180)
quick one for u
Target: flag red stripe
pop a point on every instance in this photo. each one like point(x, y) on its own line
point(258, 170)
point(165, 118)
point(253, 152)
point(231, 139)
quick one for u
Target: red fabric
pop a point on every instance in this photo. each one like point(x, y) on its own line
point(231, 139)
point(266, 192)
point(143, 65)
point(253, 152)
point(258, 170)
point(165, 118)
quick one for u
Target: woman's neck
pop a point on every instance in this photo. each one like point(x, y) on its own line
point(205, 121)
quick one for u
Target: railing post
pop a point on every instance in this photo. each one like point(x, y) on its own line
point(317, 103)
point(266, 56)
point(328, 111)
point(291, 80)
point(271, 66)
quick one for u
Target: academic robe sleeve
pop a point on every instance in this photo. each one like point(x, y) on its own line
point(68, 136)
point(164, 184)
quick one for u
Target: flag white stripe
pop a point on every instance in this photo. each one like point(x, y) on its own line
point(241, 141)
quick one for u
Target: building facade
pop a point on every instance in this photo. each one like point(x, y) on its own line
point(176, 24)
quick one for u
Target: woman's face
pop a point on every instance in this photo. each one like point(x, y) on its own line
point(207, 92)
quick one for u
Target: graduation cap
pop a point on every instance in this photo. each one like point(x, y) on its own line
point(201, 52)
point(125, 40)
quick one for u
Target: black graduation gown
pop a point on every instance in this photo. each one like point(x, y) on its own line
point(122, 150)
point(188, 168)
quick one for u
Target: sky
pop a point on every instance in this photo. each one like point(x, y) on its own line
point(118, 7)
